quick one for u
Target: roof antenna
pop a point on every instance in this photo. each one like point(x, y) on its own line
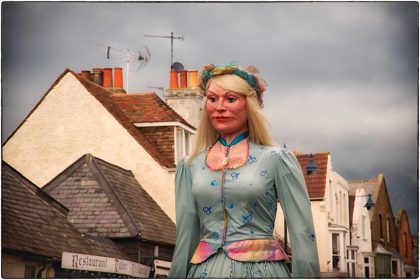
point(139, 59)
point(172, 37)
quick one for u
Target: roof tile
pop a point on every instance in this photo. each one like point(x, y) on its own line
point(315, 182)
point(33, 222)
point(126, 208)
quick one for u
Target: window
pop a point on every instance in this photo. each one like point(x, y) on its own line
point(395, 272)
point(388, 233)
point(29, 271)
point(366, 267)
point(381, 232)
point(336, 251)
point(351, 262)
point(363, 226)
point(405, 245)
point(343, 209)
point(182, 143)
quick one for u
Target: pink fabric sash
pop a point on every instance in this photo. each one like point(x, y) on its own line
point(251, 250)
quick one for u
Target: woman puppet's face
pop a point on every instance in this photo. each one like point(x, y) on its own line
point(226, 110)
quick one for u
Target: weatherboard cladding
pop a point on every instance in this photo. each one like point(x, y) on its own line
point(106, 200)
point(32, 222)
point(317, 181)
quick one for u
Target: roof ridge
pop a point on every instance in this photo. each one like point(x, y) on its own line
point(115, 110)
point(133, 226)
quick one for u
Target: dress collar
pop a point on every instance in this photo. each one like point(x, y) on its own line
point(236, 140)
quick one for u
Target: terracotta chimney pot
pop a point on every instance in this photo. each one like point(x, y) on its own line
point(97, 76)
point(173, 80)
point(183, 78)
point(107, 82)
point(118, 78)
point(192, 78)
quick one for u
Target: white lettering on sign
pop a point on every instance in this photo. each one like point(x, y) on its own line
point(103, 264)
point(140, 270)
point(87, 262)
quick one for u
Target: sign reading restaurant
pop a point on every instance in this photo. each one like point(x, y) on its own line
point(103, 264)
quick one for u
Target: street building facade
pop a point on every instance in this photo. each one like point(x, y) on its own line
point(388, 262)
point(37, 236)
point(76, 116)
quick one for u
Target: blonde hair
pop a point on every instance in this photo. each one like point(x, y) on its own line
point(257, 124)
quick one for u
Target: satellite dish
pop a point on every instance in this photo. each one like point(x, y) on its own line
point(177, 66)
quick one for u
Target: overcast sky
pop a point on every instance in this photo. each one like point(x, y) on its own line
point(342, 76)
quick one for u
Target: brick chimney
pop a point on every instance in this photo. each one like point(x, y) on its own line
point(85, 74)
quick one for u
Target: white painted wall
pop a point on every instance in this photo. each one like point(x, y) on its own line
point(187, 103)
point(362, 241)
point(70, 122)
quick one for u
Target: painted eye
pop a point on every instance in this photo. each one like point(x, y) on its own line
point(231, 99)
point(212, 99)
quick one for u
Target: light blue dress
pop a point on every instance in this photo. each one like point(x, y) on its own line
point(249, 198)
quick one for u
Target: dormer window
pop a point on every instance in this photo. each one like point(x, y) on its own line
point(183, 142)
point(172, 139)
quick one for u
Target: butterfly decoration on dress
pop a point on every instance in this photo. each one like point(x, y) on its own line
point(207, 210)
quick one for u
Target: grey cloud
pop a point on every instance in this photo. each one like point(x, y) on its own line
point(342, 75)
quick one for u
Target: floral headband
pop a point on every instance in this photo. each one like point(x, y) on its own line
point(248, 74)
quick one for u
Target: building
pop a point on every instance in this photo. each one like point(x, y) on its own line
point(106, 201)
point(184, 96)
point(405, 245)
point(77, 116)
point(328, 193)
point(37, 237)
point(388, 262)
point(361, 256)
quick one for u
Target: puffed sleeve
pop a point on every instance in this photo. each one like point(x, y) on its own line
point(294, 200)
point(187, 223)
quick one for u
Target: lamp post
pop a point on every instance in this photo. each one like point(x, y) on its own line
point(369, 203)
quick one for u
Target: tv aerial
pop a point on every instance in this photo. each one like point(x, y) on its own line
point(172, 37)
point(139, 58)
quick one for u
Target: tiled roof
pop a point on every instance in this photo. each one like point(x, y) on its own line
point(33, 222)
point(369, 185)
point(147, 107)
point(109, 101)
point(106, 200)
point(317, 181)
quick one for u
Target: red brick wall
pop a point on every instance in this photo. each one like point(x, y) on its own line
point(383, 208)
point(405, 244)
point(163, 139)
